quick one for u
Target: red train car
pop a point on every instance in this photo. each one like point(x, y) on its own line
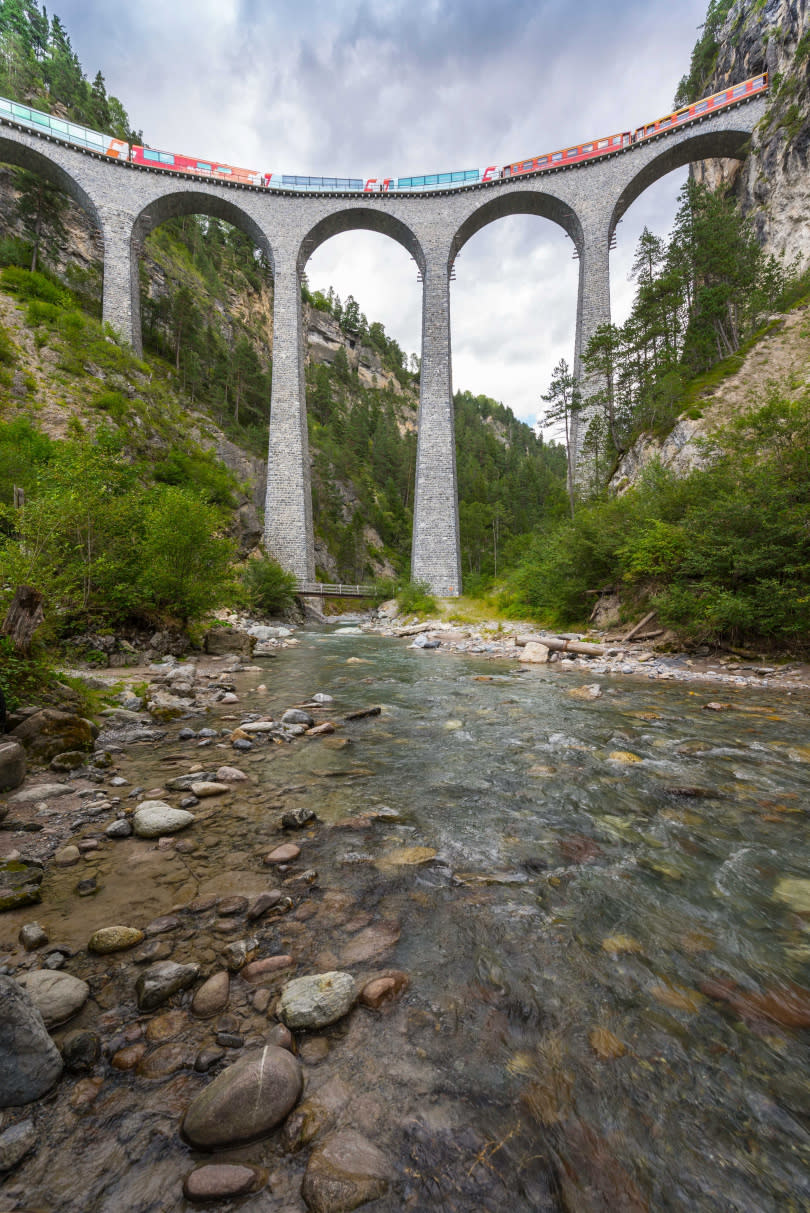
point(152, 157)
point(708, 105)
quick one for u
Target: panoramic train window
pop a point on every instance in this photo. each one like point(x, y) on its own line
point(204, 168)
point(557, 156)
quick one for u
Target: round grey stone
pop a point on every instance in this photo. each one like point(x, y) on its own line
point(57, 996)
point(154, 818)
point(246, 1101)
point(316, 1001)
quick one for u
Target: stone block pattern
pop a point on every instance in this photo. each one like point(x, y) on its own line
point(125, 202)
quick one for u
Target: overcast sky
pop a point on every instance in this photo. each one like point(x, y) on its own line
point(401, 87)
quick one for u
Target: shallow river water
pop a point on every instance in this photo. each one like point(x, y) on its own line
point(608, 953)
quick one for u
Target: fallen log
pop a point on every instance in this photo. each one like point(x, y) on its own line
point(642, 623)
point(556, 644)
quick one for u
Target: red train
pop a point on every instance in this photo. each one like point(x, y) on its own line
point(173, 162)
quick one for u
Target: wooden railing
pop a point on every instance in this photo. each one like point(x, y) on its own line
point(323, 589)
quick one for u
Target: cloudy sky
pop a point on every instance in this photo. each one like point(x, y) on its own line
point(378, 88)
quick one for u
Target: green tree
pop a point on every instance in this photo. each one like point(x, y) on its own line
point(564, 401)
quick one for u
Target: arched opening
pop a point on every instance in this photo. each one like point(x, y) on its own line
point(514, 313)
point(361, 324)
point(51, 224)
point(205, 307)
point(642, 363)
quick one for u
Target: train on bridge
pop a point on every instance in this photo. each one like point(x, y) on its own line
point(62, 130)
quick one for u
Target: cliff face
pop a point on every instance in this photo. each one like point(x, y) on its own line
point(771, 185)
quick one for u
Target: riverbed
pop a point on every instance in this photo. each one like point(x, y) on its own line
point(598, 888)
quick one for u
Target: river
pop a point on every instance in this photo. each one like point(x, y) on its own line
point(602, 905)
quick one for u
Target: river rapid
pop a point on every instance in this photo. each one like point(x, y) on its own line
point(602, 905)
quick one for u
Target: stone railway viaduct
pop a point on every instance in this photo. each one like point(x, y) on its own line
point(126, 202)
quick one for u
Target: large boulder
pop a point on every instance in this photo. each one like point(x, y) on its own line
point(57, 996)
point(246, 1101)
point(219, 641)
point(51, 731)
point(30, 1062)
point(12, 766)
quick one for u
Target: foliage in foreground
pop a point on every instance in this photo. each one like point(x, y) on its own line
point(99, 540)
point(723, 554)
point(269, 588)
point(415, 597)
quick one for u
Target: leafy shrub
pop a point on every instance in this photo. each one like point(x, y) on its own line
point(415, 596)
point(20, 676)
point(269, 587)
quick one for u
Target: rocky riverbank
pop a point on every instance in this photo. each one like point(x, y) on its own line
point(186, 975)
point(218, 960)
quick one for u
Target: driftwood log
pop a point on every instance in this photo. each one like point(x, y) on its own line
point(23, 618)
point(556, 644)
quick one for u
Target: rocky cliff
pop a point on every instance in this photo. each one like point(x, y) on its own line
point(771, 185)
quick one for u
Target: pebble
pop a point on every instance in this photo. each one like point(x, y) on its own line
point(206, 788)
point(153, 818)
point(119, 829)
point(165, 1026)
point(286, 853)
point(67, 857)
point(232, 905)
point(230, 775)
point(166, 922)
point(164, 1060)
point(259, 970)
point(239, 953)
point(158, 983)
point(32, 936)
point(212, 996)
point(128, 1057)
point(264, 902)
point(15, 1142)
point(154, 950)
point(208, 1057)
point(81, 1050)
point(222, 1181)
point(383, 990)
point(296, 819)
point(114, 939)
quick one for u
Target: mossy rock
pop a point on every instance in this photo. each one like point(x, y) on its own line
point(19, 883)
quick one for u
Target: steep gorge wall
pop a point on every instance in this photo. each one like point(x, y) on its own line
point(772, 184)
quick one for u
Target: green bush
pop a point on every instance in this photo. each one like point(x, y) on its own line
point(20, 677)
point(415, 597)
point(269, 588)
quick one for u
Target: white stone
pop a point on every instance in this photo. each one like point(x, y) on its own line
point(154, 817)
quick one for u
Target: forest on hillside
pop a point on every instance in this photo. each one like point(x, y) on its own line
point(721, 554)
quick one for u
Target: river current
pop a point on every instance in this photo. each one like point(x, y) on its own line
point(603, 907)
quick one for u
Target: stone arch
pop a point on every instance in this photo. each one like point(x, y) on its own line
point(703, 145)
point(360, 218)
point(199, 202)
point(172, 205)
point(22, 156)
point(518, 202)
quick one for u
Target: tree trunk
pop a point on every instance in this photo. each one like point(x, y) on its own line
point(23, 618)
